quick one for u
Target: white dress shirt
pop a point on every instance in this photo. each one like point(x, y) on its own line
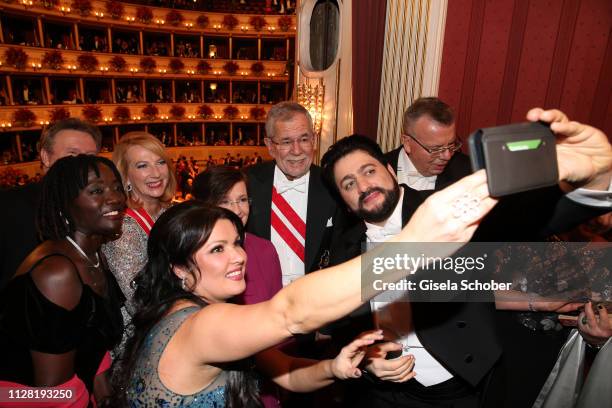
point(409, 175)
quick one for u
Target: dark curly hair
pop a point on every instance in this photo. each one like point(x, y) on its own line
point(174, 240)
point(61, 185)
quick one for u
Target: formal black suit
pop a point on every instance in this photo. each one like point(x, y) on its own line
point(18, 235)
point(458, 167)
point(460, 335)
point(321, 208)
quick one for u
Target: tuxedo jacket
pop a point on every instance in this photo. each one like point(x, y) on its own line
point(458, 167)
point(460, 335)
point(321, 214)
point(18, 234)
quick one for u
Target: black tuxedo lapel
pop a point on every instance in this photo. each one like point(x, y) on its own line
point(412, 200)
point(320, 208)
point(458, 167)
point(260, 180)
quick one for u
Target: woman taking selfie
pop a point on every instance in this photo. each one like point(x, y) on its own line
point(189, 344)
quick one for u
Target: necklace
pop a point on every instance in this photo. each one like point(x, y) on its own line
point(78, 248)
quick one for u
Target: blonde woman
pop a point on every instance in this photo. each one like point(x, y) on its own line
point(149, 181)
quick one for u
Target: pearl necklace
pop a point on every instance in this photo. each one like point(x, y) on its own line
point(80, 250)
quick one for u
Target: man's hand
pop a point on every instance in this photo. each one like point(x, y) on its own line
point(595, 330)
point(583, 152)
point(397, 370)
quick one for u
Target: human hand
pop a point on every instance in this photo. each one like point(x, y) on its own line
point(437, 219)
point(397, 370)
point(346, 363)
point(595, 330)
point(584, 153)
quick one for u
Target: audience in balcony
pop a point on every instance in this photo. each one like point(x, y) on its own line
point(73, 98)
point(128, 93)
point(158, 48)
point(186, 49)
point(96, 43)
point(125, 45)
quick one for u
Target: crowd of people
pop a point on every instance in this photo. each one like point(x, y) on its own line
point(253, 284)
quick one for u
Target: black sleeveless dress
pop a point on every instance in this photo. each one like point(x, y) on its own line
point(30, 321)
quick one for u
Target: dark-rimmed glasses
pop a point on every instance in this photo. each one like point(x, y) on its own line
point(305, 142)
point(437, 151)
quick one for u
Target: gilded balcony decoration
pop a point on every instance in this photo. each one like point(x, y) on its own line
point(257, 68)
point(144, 14)
point(115, 9)
point(285, 23)
point(229, 21)
point(15, 57)
point(177, 112)
point(53, 60)
point(174, 18)
point(258, 22)
point(24, 117)
point(150, 112)
point(83, 7)
point(92, 113)
point(176, 65)
point(59, 113)
point(257, 113)
point(230, 112)
point(122, 113)
point(118, 63)
point(230, 67)
point(88, 62)
point(202, 21)
point(148, 64)
point(205, 112)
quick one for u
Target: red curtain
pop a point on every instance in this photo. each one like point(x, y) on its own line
point(368, 42)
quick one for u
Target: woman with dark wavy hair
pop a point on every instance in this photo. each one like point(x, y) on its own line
point(189, 344)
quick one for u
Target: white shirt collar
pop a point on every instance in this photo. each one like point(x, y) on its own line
point(283, 184)
point(392, 226)
point(409, 175)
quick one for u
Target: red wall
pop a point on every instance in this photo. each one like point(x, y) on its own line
point(502, 57)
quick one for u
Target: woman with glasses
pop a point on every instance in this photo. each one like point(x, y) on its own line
point(226, 187)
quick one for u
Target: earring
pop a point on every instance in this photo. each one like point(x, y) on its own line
point(129, 188)
point(184, 283)
point(64, 218)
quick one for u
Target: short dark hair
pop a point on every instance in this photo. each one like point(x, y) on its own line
point(61, 185)
point(213, 184)
point(47, 139)
point(344, 147)
point(430, 106)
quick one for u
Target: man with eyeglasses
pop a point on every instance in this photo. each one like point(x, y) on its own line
point(430, 157)
point(291, 206)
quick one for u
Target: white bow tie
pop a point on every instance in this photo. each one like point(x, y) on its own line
point(298, 185)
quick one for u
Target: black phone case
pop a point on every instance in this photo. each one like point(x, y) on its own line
point(517, 157)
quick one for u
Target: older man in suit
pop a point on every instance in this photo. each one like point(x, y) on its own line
point(291, 206)
point(429, 157)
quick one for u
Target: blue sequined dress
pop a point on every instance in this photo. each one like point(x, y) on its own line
point(147, 390)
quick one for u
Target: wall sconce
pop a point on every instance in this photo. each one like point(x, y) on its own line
point(108, 119)
point(162, 70)
point(71, 67)
point(312, 98)
point(135, 118)
point(6, 124)
point(130, 19)
point(191, 117)
point(213, 86)
point(103, 69)
point(217, 72)
point(160, 22)
point(244, 28)
point(99, 14)
point(271, 74)
point(188, 25)
point(218, 117)
point(243, 73)
point(217, 26)
point(27, 3)
point(43, 123)
point(36, 66)
point(244, 117)
point(65, 9)
point(163, 117)
point(190, 72)
point(133, 70)
point(271, 28)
